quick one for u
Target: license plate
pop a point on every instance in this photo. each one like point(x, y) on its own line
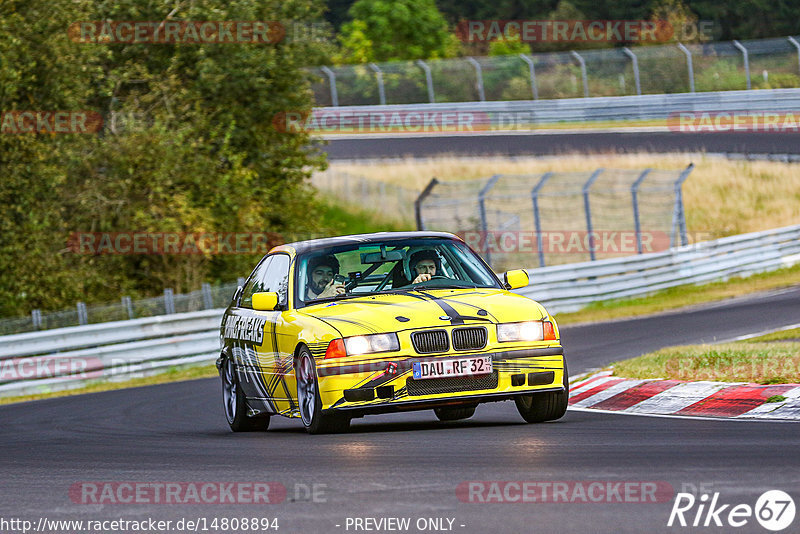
point(476, 365)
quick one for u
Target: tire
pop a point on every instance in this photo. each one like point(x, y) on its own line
point(235, 405)
point(309, 402)
point(454, 414)
point(546, 406)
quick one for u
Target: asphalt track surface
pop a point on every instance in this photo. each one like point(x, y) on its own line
point(409, 465)
point(554, 143)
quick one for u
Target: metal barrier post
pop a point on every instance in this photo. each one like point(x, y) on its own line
point(332, 82)
point(635, 201)
point(796, 45)
point(418, 202)
point(688, 65)
point(36, 318)
point(532, 71)
point(479, 75)
point(428, 80)
point(583, 73)
point(205, 289)
point(482, 211)
point(83, 317)
point(743, 50)
point(169, 301)
point(635, 61)
point(536, 221)
point(128, 305)
point(678, 214)
point(587, 210)
point(379, 78)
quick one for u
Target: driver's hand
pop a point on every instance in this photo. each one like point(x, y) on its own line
point(424, 277)
point(331, 290)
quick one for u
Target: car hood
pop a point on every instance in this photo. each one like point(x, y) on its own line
point(425, 309)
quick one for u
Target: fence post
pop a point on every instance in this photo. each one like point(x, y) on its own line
point(583, 73)
point(379, 78)
point(428, 80)
point(169, 301)
point(536, 220)
point(587, 210)
point(532, 71)
point(743, 50)
point(332, 82)
point(678, 214)
point(208, 302)
point(479, 76)
point(482, 210)
point(36, 318)
point(796, 45)
point(240, 281)
point(418, 202)
point(688, 65)
point(82, 316)
point(128, 305)
point(635, 61)
point(635, 201)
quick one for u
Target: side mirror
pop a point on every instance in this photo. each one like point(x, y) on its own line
point(514, 279)
point(265, 301)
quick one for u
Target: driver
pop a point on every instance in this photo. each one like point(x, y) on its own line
point(424, 264)
point(320, 284)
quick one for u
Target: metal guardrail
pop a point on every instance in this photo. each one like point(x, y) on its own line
point(67, 358)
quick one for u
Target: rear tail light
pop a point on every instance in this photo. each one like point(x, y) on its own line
point(335, 349)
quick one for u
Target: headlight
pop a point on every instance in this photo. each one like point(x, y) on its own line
point(526, 331)
point(368, 344)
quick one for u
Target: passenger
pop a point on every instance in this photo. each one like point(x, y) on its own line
point(321, 283)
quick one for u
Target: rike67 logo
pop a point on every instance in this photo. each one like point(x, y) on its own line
point(774, 510)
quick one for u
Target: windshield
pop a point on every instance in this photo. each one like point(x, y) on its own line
point(347, 271)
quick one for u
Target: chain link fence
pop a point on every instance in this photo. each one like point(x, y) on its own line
point(722, 66)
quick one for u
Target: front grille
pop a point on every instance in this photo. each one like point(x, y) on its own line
point(430, 341)
point(435, 386)
point(471, 338)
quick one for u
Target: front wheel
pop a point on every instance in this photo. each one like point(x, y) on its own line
point(545, 406)
point(235, 405)
point(309, 400)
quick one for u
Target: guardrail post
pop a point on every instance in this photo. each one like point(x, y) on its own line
point(583, 73)
point(418, 202)
point(83, 317)
point(379, 78)
point(36, 318)
point(688, 65)
point(678, 214)
point(428, 80)
point(635, 62)
point(479, 76)
point(635, 201)
point(587, 210)
point(746, 58)
point(240, 281)
point(208, 302)
point(482, 211)
point(128, 305)
point(536, 220)
point(796, 45)
point(169, 301)
point(332, 82)
point(532, 72)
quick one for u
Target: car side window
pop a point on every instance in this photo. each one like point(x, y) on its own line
point(277, 278)
point(255, 283)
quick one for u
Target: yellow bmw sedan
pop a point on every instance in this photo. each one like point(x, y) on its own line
point(332, 329)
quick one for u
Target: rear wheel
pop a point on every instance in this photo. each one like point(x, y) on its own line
point(454, 414)
point(309, 400)
point(235, 405)
point(545, 406)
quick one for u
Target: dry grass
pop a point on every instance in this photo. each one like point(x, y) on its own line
point(722, 197)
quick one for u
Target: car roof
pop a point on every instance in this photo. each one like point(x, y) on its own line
point(300, 247)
